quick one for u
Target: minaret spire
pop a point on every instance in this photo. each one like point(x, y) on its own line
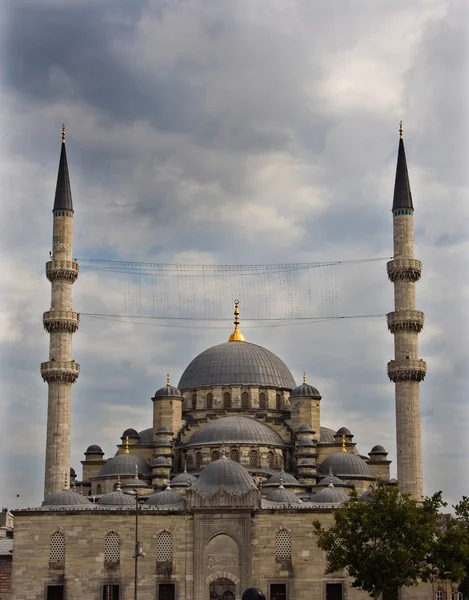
point(405, 323)
point(61, 322)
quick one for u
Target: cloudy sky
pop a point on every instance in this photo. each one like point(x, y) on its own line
point(234, 132)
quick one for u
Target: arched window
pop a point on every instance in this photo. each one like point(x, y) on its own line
point(198, 460)
point(164, 547)
point(57, 548)
point(283, 544)
point(244, 400)
point(271, 459)
point(215, 455)
point(262, 400)
point(278, 402)
point(227, 400)
point(99, 489)
point(209, 400)
point(112, 548)
point(189, 462)
point(253, 458)
point(194, 401)
point(234, 454)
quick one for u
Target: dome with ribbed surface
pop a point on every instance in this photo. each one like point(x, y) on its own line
point(94, 449)
point(164, 498)
point(161, 461)
point(184, 479)
point(117, 498)
point(168, 391)
point(66, 498)
point(305, 391)
point(344, 464)
point(235, 430)
point(130, 433)
point(331, 495)
point(124, 464)
point(239, 363)
point(224, 474)
point(283, 477)
point(378, 450)
point(282, 495)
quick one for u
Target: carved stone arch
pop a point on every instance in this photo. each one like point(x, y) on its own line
point(223, 531)
point(222, 575)
point(284, 528)
point(161, 530)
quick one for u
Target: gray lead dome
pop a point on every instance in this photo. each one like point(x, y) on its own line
point(237, 363)
point(236, 430)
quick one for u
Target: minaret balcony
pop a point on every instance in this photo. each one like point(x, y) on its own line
point(60, 370)
point(409, 269)
point(405, 320)
point(64, 270)
point(61, 320)
point(407, 370)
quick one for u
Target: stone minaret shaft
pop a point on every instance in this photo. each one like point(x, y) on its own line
point(60, 371)
point(405, 323)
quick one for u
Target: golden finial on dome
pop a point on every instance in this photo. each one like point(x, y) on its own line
point(63, 133)
point(168, 381)
point(304, 377)
point(400, 130)
point(126, 451)
point(343, 449)
point(236, 336)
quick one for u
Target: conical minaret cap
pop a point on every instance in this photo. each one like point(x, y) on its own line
point(402, 194)
point(63, 193)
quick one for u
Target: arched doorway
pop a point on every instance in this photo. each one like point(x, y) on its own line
point(222, 589)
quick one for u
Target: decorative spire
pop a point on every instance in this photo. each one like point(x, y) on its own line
point(63, 192)
point(236, 336)
point(223, 451)
point(168, 381)
point(136, 472)
point(343, 449)
point(402, 194)
point(126, 451)
point(118, 488)
point(304, 377)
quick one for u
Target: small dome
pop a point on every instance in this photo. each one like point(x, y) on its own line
point(235, 430)
point(124, 464)
point(130, 433)
point(66, 498)
point(330, 494)
point(378, 450)
point(94, 449)
point(306, 442)
point(162, 429)
point(343, 431)
point(331, 479)
point(305, 391)
point(162, 441)
point(366, 496)
point(305, 429)
point(224, 474)
point(344, 464)
point(161, 461)
point(72, 472)
point(117, 498)
point(285, 477)
point(164, 498)
point(168, 391)
point(183, 479)
point(282, 495)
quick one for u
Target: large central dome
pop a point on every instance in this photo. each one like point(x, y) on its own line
point(237, 363)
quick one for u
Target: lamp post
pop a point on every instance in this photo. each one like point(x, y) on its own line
point(138, 547)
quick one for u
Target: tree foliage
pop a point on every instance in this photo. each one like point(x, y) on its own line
point(385, 543)
point(451, 552)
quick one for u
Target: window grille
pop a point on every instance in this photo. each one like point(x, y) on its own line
point(198, 460)
point(55, 592)
point(111, 591)
point(262, 400)
point(215, 455)
point(244, 400)
point(226, 400)
point(164, 547)
point(283, 544)
point(194, 401)
point(253, 458)
point(209, 400)
point(166, 591)
point(234, 454)
point(112, 550)
point(57, 548)
point(278, 402)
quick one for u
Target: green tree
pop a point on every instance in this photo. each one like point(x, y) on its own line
point(384, 543)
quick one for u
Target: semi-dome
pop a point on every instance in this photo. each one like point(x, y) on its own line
point(305, 391)
point(117, 498)
point(225, 474)
point(66, 498)
point(236, 430)
point(164, 498)
point(282, 477)
point(282, 495)
point(344, 464)
point(237, 363)
point(124, 464)
point(330, 494)
point(184, 479)
point(94, 449)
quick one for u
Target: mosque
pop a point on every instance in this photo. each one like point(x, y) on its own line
point(220, 492)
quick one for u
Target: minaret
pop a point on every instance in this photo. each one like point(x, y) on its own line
point(405, 323)
point(60, 371)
